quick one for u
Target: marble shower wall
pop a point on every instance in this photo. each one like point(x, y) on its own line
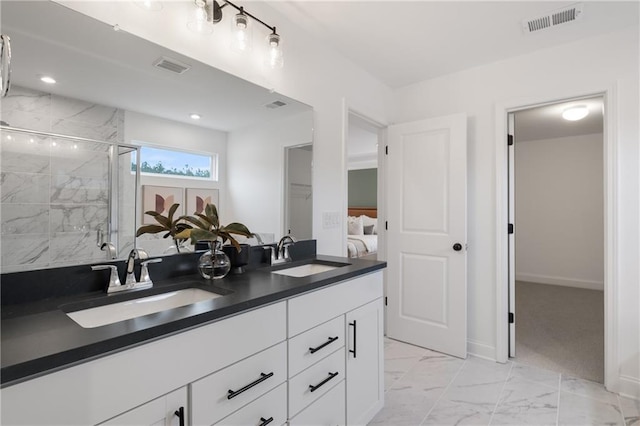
point(54, 191)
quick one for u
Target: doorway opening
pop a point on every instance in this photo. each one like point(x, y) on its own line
point(364, 191)
point(298, 211)
point(556, 243)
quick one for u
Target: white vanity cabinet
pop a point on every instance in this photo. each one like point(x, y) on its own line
point(168, 410)
point(351, 312)
point(312, 359)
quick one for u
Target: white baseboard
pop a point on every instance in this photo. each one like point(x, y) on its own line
point(567, 282)
point(481, 350)
point(629, 387)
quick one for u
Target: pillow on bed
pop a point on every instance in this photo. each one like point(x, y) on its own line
point(355, 226)
point(368, 229)
point(369, 221)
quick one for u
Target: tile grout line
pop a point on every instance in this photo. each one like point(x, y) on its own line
point(559, 392)
point(501, 392)
point(444, 391)
point(405, 373)
point(624, 421)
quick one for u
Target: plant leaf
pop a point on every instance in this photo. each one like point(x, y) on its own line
point(160, 219)
point(203, 235)
point(211, 212)
point(149, 229)
point(172, 210)
point(199, 223)
point(185, 234)
point(237, 228)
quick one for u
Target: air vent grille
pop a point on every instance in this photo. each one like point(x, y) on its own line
point(171, 65)
point(556, 17)
point(275, 104)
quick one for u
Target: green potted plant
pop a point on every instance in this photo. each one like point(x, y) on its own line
point(206, 227)
point(167, 224)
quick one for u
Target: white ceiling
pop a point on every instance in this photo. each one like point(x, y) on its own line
point(546, 122)
point(404, 42)
point(94, 63)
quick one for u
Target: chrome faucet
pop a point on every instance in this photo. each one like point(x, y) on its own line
point(110, 248)
point(130, 283)
point(280, 254)
point(133, 255)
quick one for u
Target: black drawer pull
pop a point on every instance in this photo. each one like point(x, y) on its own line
point(328, 342)
point(263, 377)
point(355, 340)
point(180, 413)
point(264, 421)
point(316, 387)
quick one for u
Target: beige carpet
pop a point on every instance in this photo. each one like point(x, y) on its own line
point(560, 329)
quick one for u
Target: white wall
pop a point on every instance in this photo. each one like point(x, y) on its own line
point(313, 74)
point(585, 66)
point(255, 162)
point(560, 211)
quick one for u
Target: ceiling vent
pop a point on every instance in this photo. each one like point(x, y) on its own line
point(275, 104)
point(171, 65)
point(554, 18)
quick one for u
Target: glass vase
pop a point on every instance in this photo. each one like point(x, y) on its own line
point(214, 263)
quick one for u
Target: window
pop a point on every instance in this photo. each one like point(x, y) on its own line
point(173, 163)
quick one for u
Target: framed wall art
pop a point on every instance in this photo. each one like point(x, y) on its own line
point(198, 198)
point(160, 199)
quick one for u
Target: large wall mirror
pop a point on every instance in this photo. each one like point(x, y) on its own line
point(68, 184)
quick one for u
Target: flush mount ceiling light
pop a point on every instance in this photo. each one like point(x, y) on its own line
point(195, 116)
point(152, 5)
point(47, 79)
point(209, 12)
point(575, 113)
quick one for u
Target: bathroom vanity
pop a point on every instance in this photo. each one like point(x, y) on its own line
point(273, 348)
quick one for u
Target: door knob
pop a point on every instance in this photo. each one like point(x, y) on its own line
point(457, 246)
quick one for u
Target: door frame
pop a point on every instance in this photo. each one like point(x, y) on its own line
point(609, 95)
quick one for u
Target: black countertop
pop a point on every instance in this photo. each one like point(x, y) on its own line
point(39, 338)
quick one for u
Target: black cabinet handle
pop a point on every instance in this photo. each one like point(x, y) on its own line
point(355, 340)
point(180, 413)
point(264, 421)
point(263, 377)
point(316, 387)
point(457, 246)
point(328, 342)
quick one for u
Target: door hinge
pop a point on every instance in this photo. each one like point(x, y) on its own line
point(510, 228)
point(512, 318)
point(386, 149)
point(386, 225)
point(509, 140)
point(385, 301)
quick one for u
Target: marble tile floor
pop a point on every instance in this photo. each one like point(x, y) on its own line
point(423, 387)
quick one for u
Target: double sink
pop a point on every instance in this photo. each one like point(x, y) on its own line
point(111, 313)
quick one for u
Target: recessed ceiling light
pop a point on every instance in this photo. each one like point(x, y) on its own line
point(47, 79)
point(575, 113)
point(195, 116)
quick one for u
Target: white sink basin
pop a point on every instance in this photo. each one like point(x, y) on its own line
point(306, 270)
point(116, 312)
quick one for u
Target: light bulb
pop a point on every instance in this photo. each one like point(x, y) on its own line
point(241, 32)
point(195, 116)
point(274, 57)
point(47, 79)
point(199, 22)
point(575, 113)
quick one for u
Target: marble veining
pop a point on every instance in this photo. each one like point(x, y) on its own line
point(427, 388)
point(54, 190)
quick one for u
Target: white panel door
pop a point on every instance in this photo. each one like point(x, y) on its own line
point(427, 230)
point(512, 237)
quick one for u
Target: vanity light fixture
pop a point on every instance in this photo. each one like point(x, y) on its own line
point(209, 12)
point(47, 79)
point(195, 116)
point(575, 113)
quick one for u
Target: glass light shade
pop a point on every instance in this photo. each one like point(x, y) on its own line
point(241, 31)
point(575, 113)
point(199, 22)
point(274, 57)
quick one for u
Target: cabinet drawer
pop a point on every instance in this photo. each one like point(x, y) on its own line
point(320, 306)
point(313, 345)
point(211, 399)
point(329, 410)
point(315, 381)
point(270, 408)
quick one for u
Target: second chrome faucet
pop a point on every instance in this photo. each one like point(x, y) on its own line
point(130, 281)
